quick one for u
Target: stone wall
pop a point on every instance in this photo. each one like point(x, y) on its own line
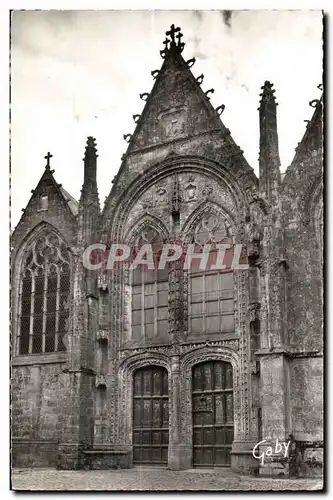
point(37, 413)
point(306, 397)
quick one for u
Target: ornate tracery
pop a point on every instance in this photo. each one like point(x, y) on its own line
point(44, 295)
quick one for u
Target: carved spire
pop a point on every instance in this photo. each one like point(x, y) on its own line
point(89, 208)
point(90, 163)
point(269, 159)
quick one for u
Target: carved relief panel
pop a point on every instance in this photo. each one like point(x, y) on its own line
point(182, 192)
point(173, 125)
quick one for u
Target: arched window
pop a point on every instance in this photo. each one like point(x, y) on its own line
point(149, 293)
point(211, 294)
point(44, 296)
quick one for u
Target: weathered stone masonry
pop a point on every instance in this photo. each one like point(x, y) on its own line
point(182, 178)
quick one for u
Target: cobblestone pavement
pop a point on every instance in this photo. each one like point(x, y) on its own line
point(152, 479)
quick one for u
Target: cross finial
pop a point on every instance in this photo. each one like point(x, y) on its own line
point(179, 37)
point(47, 158)
point(172, 32)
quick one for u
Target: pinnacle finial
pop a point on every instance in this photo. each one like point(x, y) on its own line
point(267, 93)
point(91, 142)
point(173, 30)
point(170, 44)
point(47, 158)
point(91, 148)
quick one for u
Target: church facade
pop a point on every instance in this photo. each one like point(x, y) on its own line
point(173, 367)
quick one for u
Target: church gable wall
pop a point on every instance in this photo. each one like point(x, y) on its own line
point(52, 211)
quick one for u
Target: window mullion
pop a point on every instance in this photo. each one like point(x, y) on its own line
point(31, 328)
point(18, 338)
point(155, 308)
point(204, 303)
point(189, 300)
point(44, 306)
point(142, 311)
point(57, 311)
point(220, 302)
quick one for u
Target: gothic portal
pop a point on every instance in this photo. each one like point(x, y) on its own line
point(178, 367)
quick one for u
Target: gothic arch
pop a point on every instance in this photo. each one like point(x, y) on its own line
point(125, 383)
point(17, 268)
point(146, 220)
point(33, 234)
point(207, 207)
point(216, 353)
point(313, 196)
point(168, 167)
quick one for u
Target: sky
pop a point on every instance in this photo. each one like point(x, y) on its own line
point(80, 73)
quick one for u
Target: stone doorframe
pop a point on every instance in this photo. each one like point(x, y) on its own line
point(214, 353)
point(179, 369)
point(125, 394)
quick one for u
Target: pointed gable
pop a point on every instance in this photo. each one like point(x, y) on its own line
point(177, 107)
point(47, 193)
point(178, 119)
point(49, 202)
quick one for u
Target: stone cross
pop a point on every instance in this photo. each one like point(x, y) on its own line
point(47, 158)
point(172, 32)
point(179, 37)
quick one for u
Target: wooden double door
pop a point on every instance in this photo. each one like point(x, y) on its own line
point(213, 415)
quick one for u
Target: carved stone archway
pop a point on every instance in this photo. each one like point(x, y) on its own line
point(125, 393)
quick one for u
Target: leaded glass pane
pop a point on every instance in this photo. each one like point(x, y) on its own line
point(39, 285)
point(63, 321)
point(51, 302)
point(50, 324)
point(37, 343)
point(49, 343)
point(24, 334)
point(26, 307)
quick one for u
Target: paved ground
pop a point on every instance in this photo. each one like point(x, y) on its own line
point(151, 479)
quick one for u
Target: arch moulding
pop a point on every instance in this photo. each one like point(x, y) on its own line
point(125, 394)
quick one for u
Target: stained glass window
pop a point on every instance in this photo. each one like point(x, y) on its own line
point(44, 296)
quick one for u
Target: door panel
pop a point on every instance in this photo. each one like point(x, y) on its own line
point(213, 414)
point(150, 416)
